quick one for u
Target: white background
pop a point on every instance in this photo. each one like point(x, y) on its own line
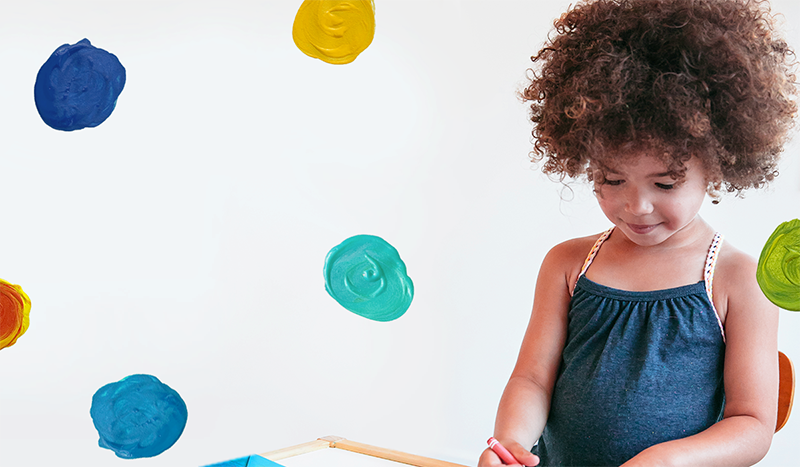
point(185, 236)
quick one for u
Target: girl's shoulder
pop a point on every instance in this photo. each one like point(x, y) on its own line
point(568, 257)
point(575, 248)
point(733, 260)
point(734, 279)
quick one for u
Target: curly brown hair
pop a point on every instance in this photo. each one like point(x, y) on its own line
point(675, 78)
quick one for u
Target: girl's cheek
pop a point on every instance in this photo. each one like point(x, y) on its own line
point(598, 191)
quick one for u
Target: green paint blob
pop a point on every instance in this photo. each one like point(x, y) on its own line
point(779, 266)
point(366, 275)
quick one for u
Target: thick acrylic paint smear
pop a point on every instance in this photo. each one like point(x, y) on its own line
point(138, 416)
point(15, 309)
point(334, 31)
point(366, 275)
point(78, 86)
point(779, 266)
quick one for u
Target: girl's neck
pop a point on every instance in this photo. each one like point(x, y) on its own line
point(697, 232)
point(622, 264)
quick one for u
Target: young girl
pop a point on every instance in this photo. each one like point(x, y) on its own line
point(651, 344)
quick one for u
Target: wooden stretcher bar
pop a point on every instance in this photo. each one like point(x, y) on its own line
point(360, 448)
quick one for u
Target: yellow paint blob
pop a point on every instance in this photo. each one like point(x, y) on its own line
point(334, 31)
point(15, 308)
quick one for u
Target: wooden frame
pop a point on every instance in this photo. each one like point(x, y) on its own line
point(360, 448)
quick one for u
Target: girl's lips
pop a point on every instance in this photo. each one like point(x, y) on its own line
point(641, 229)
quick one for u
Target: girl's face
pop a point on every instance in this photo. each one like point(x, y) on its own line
point(646, 203)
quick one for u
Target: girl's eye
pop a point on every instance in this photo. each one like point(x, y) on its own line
point(613, 182)
point(665, 186)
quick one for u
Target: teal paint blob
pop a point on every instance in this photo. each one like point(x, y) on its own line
point(366, 276)
point(138, 416)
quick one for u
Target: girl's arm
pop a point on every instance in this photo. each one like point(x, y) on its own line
point(744, 434)
point(525, 403)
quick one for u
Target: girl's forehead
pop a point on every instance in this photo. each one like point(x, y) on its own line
point(632, 162)
point(649, 165)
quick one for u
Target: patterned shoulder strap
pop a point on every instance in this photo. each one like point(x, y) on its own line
point(708, 275)
point(594, 251)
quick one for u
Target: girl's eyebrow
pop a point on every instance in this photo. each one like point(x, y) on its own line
point(607, 169)
point(668, 173)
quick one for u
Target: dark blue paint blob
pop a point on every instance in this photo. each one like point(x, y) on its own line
point(78, 86)
point(138, 416)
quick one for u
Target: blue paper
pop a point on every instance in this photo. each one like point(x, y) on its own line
point(247, 461)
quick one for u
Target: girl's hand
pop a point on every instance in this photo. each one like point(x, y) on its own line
point(489, 458)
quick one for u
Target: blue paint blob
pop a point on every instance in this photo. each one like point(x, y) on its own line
point(78, 86)
point(138, 416)
point(366, 275)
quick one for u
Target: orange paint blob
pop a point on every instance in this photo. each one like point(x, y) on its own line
point(15, 308)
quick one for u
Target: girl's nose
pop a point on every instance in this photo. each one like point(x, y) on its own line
point(638, 203)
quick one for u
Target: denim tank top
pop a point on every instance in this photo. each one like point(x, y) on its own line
point(638, 369)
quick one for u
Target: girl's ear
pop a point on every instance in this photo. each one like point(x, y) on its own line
point(594, 174)
point(714, 191)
